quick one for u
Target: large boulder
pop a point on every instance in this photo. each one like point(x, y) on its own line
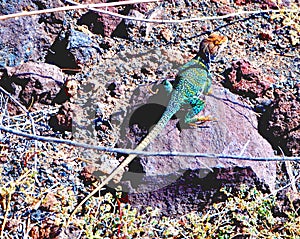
point(234, 132)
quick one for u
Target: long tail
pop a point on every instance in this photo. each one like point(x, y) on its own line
point(142, 145)
point(167, 115)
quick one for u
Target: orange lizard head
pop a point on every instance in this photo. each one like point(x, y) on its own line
point(211, 46)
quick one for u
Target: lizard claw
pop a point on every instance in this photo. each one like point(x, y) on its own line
point(151, 91)
point(210, 92)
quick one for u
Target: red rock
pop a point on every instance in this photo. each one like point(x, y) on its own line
point(265, 36)
point(264, 3)
point(87, 174)
point(107, 24)
point(282, 126)
point(241, 2)
point(224, 10)
point(243, 79)
point(141, 7)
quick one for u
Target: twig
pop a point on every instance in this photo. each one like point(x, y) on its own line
point(14, 100)
point(146, 153)
point(291, 176)
point(206, 166)
point(244, 148)
point(282, 188)
point(7, 209)
point(31, 121)
point(77, 7)
point(289, 170)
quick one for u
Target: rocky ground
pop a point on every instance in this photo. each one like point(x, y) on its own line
point(94, 78)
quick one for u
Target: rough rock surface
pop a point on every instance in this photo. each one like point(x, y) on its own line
point(223, 136)
point(31, 36)
point(264, 3)
point(193, 192)
point(33, 83)
point(244, 79)
point(279, 121)
point(72, 49)
point(280, 124)
point(99, 23)
point(108, 25)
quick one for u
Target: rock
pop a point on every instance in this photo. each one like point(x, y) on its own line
point(108, 25)
point(52, 22)
point(193, 192)
point(166, 34)
point(133, 23)
point(156, 13)
point(242, 78)
point(280, 123)
point(224, 10)
point(73, 48)
point(46, 229)
point(266, 36)
point(87, 174)
point(63, 120)
point(24, 47)
point(71, 89)
point(31, 35)
point(264, 3)
point(141, 7)
point(33, 83)
point(100, 23)
point(224, 136)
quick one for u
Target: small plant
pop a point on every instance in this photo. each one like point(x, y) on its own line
point(246, 213)
point(290, 20)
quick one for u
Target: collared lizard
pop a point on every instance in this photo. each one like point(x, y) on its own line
point(191, 83)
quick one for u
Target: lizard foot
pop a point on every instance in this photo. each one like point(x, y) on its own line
point(201, 119)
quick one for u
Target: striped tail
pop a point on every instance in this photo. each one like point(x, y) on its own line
point(167, 115)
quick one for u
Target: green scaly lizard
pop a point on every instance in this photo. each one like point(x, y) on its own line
point(192, 82)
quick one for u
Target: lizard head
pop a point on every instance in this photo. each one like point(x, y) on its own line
point(211, 46)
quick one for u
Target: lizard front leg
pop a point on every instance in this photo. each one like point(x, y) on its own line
point(168, 86)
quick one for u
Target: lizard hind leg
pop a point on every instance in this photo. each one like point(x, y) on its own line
point(192, 117)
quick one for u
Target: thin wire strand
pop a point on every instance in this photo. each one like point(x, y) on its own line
point(77, 7)
point(196, 19)
point(162, 21)
point(146, 153)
